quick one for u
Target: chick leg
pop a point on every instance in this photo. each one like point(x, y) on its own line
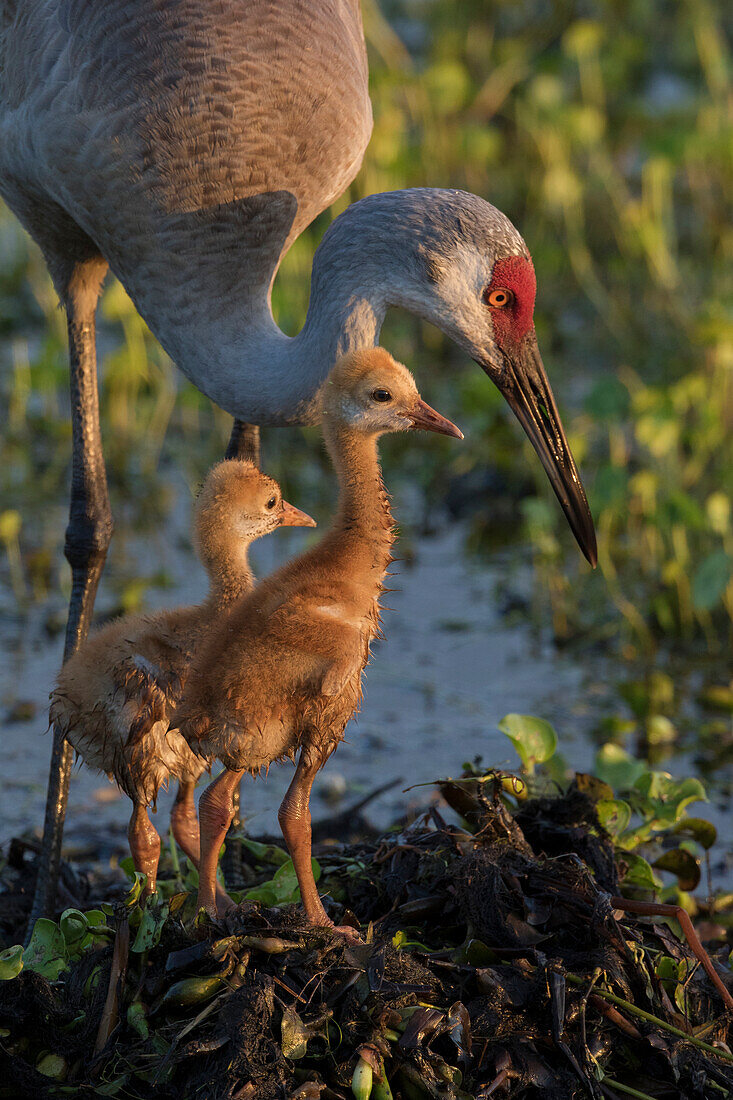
point(216, 810)
point(295, 821)
point(185, 827)
point(144, 845)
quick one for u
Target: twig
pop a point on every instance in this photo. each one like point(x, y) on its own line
point(627, 1089)
point(116, 976)
point(574, 979)
point(615, 1017)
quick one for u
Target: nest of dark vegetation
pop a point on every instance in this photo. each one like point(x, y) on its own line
point(494, 965)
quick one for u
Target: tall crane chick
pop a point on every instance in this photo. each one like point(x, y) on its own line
point(282, 673)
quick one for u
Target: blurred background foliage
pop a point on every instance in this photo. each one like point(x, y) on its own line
point(604, 130)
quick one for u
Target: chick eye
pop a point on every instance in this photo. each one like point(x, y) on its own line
point(500, 298)
point(381, 395)
point(271, 503)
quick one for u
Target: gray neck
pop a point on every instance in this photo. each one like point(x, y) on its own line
point(369, 259)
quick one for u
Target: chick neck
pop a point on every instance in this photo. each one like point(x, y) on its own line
point(363, 528)
point(226, 560)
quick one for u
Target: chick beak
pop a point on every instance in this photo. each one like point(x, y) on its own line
point(293, 517)
point(423, 416)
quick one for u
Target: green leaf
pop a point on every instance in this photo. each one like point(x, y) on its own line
point(614, 815)
point(282, 889)
point(704, 832)
point(682, 864)
point(710, 580)
point(46, 952)
point(534, 739)
point(295, 1034)
point(73, 925)
point(616, 767)
point(133, 894)
point(11, 963)
point(266, 853)
point(639, 874)
point(150, 927)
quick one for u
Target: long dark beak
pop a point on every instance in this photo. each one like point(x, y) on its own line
point(423, 416)
point(527, 389)
point(293, 517)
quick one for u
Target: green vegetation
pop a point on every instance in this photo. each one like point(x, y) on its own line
point(444, 997)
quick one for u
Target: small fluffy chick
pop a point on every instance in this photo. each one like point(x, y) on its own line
point(115, 699)
point(282, 671)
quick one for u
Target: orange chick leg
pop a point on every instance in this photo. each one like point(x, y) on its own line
point(216, 809)
point(295, 821)
point(144, 846)
point(185, 827)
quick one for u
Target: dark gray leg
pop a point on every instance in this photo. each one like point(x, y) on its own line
point(87, 539)
point(244, 442)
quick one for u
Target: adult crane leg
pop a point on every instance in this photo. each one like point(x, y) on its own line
point(87, 539)
point(244, 442)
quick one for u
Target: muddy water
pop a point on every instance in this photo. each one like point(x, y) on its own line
point(447, 672)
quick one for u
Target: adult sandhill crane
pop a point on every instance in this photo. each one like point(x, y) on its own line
point(185, 144)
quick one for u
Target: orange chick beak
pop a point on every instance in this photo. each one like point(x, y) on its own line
point(293, 517)
point(425, 417)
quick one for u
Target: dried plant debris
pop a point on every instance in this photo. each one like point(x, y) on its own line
point(494, 963)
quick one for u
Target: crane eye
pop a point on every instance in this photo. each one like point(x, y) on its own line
point(381, 395)
point(271, 503)
point(501, 298)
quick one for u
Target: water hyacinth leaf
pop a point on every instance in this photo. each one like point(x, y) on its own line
point(362, 1080)
point(266, 853)
point(710, 580)
point(617, 768)
point(11, 963)
point(133, 894)
point(682, 864)
point(534, 739)
point(136, 1019)
point(668, 797)
point(150, 927)
point(46, 952)
point(282, 889)
point(295, 1034)
point(614, 815)
point(593, 787)
point(639, 874)
point(380, 1084)
point(53, 1065)
point(704, 832)
point(73, 925)
point(191, 991)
